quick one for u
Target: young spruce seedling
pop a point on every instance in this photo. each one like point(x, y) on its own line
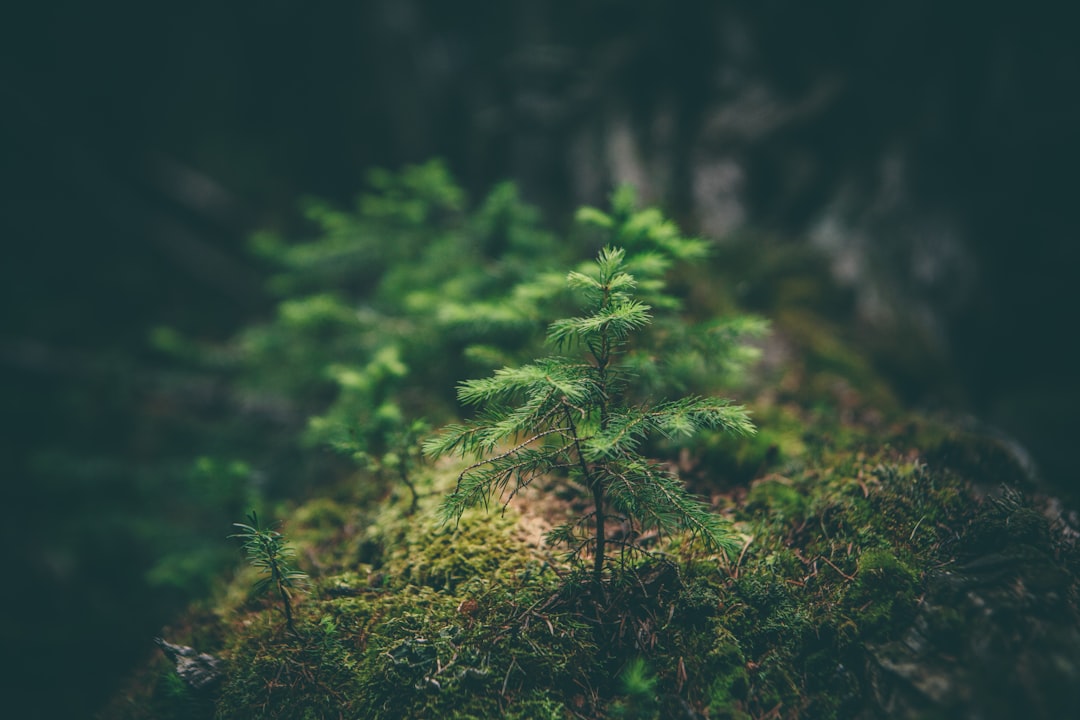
point(571, 414)
point(266, 550)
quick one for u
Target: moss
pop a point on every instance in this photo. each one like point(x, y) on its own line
point(882, 597)
point(730, 679)
point(441, 662)
point(780, 440)
point(410, 617)
point(776, 499)
point(320, 519)
point(1006, 521)
point(275, 676)
point(428, 552)
point(433, 627)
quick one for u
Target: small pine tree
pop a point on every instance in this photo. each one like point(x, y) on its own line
point(574, 415)
point(400, 457)
point(267, 551)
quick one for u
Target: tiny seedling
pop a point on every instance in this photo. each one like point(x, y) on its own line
point(639, 692)
point(267, 551)
point(574, 414)
point(405, 456)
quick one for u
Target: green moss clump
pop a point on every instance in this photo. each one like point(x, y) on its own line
point(442, 556)
point(433, 627)
point(777, 500)
point(882, 597)
point(727, 692)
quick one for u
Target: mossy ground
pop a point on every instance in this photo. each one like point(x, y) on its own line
point(407, 617)
point(848, 510)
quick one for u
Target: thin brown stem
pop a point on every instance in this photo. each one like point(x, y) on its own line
point(407, 481)
point(592, 482)
point(286, 602)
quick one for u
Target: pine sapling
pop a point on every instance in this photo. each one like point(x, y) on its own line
point(573, 414)
point(404, 456)
point(267, 551)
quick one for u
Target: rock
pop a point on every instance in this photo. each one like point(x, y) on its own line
point(199, 670)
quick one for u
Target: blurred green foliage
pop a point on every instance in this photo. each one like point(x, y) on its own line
point(373, 316)
point(387, 306)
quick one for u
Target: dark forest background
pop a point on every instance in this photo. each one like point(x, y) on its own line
point(927, 149)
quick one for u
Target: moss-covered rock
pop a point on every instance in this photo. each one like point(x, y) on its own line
point(871, 583)
point(883, 573)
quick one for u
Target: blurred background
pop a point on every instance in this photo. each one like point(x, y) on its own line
point(927, 150)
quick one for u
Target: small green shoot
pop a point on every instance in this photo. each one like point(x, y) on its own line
point(267, 551)
point(574, 414)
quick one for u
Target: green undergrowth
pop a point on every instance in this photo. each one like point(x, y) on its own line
point(408, 617)
point(848, 510)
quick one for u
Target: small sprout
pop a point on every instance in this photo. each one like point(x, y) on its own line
point(406, 455)
point(576, 414)
point(639, 692)
point(267, 551)
point(636, 679)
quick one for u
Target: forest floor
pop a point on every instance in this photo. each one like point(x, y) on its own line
point(891, 565)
